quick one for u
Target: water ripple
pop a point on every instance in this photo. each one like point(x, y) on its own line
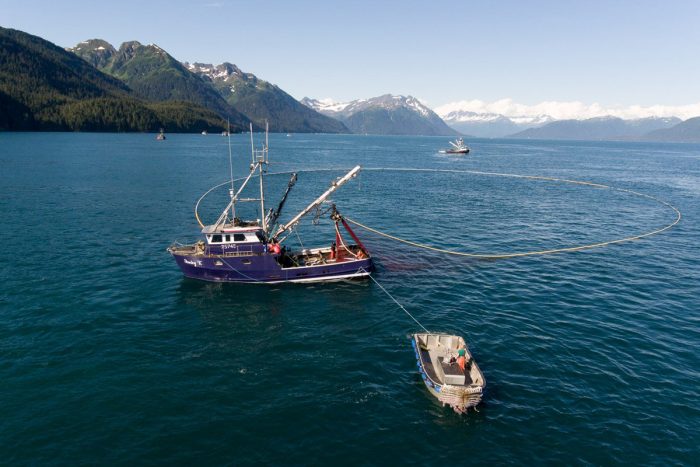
point(110, 356)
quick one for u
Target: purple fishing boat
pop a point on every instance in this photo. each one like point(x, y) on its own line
point(252, 251)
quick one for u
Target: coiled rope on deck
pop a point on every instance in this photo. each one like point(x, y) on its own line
point(495, 174)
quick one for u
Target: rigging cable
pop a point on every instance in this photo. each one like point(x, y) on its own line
point(342, 242)
point(298, 237)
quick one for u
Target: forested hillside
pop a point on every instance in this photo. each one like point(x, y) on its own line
point(44, 87)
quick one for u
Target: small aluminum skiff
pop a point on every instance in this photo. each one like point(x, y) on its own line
point(436, 355)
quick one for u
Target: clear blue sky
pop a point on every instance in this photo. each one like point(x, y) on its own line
point(612, 52)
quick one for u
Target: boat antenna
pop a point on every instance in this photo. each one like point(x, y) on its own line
point(262, 161)
point(252, 146)
point(232, 191)
point(258, 162)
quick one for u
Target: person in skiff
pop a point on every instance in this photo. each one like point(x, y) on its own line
point(462, 359)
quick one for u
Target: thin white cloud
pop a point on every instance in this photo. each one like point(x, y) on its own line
point(568, 110)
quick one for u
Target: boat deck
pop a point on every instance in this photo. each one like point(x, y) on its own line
point(446, 368)
point(428, 365)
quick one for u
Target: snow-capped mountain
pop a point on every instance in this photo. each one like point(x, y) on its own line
point(492, 125)
point(560, 119)
point(387, 101)
point(263, 101)
point(599, 128)
point(387, 115)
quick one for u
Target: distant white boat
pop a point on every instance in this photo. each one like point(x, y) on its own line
point(224, 133)
point(458, 147)
point(204, 133)
point(161, 135)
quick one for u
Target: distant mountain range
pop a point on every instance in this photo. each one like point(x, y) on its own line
point(491, 125)
point(684, 132)
point(155, 75)
point(96, 87)
point(239, 97)
point(601, 128)
point(384, 115)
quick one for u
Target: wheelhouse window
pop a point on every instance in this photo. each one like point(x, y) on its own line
point(216, 238)
point(228, 238)
point(239, 237)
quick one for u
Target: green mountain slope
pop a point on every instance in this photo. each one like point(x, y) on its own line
point(44, 87)
point(260, 101)
point(155, 75)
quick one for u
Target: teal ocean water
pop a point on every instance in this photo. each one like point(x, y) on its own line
point(109, 356)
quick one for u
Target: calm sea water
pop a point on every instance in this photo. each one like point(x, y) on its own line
point(108, 355)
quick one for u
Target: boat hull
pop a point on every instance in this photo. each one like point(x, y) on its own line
point(264, 269)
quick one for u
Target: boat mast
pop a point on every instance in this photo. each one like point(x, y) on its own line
point(230, 163)
point(334, 186)
point(235, 198)
point(260, 158)
point(259, 161)
point(262, 201)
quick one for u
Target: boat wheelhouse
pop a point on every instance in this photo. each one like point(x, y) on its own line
point(233, 250)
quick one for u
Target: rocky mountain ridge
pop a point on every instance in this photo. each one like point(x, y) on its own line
point(236, 96)
point(262, 101)
point(155, 75)
point(387, 114)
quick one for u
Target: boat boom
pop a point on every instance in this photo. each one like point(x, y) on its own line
point(334, 186)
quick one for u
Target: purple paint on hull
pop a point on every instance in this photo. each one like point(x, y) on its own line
point(264, 268)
